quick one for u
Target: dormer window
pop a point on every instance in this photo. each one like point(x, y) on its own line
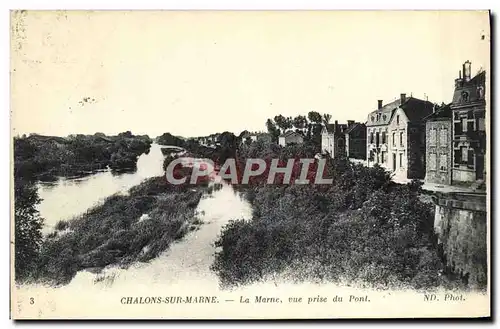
point(373, 118)
point(480, 92)
point(465, 97)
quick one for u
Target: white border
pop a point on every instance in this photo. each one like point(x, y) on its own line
point(178, 5)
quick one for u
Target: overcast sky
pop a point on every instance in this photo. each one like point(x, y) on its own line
point(196, 73)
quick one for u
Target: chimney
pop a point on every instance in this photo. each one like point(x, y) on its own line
point(335, 126)
point(403, 98)
point(379, 104)
point(460, 74)
point(350, 123)
point(466, 69)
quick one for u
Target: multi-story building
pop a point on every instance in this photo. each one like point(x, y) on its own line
point(396, 136)
point(469, 133)
point(438, 146)
point(355, 140)
point(333, 139)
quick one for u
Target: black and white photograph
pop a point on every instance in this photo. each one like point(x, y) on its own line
point(197, 164)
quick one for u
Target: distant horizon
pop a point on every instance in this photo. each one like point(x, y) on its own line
point(194, 74)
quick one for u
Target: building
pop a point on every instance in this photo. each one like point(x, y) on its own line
point(290, 137)
point(355, 140)
point(438, 146)
point(469, 133)
point(396, 136)
point(252, 137)
point(344, 139)
point(333, 139)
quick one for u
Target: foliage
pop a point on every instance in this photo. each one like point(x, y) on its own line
point(39, 156)
point(113, 233)
point(361, 229)
point(27, 227)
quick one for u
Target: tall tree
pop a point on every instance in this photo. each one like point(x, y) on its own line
point(27, 227)
point(326, 118)
point(300, 122)
point(272, 129)
point(314, 117)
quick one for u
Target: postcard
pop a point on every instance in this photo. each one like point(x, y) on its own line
point(250, 164)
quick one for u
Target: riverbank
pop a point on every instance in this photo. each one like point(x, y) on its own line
point(46, 158)
point(135, 227)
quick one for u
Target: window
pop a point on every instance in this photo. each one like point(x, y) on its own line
point(442, 162)
point(432, 161)
point(432, 139)
point(464, 124)
point(470, 125)
point(458, 128)
point(470, 159)
point(401, 139)
point(480, 124)
point(393, 139)
point(465, 154)
point(383, 157)
point(377, 138)
point(383, 138)
point(371, 138)
point(397, 119)
point(400, 160)
point(443, 137)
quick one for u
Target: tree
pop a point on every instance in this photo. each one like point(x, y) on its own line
point(326, 118)
point(272, 129)
point(314, 117)
point(27, 227)
point(300, 122)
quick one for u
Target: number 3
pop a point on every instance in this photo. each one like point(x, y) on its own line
point(32, 301)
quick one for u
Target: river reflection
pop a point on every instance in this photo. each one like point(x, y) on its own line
point(68, 197)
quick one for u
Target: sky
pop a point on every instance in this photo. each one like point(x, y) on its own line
point(193, 73)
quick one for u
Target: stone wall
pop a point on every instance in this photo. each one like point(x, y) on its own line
point(460, 223)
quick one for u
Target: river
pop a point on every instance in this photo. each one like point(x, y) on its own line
point(185, 265)
point(68, 197)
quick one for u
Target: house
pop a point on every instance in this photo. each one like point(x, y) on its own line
point(344, 139)
point(438, 146)
point(469, 133)
point(396, 136)
point(333, 139)
point(252, 137)
point(290, 137)
point(355, 140)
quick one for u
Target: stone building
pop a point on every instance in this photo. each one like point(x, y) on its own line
point(469, 133)
point(355, 140)
point(438, 146)
point(333, 139)
point(344, 139)
point(396, 136)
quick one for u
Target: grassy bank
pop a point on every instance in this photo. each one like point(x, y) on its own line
point(122, 230)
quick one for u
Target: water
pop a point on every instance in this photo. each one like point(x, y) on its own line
point(69, 197)
point(182, 269)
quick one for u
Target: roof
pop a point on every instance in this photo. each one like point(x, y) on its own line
point(415, 109)
point(383, 115)
point(354, 127)
point(443, 112)
point(290, 133)
point(470, 87)
point(330, 128)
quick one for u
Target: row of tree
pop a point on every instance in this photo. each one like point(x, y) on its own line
point(310, 125)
